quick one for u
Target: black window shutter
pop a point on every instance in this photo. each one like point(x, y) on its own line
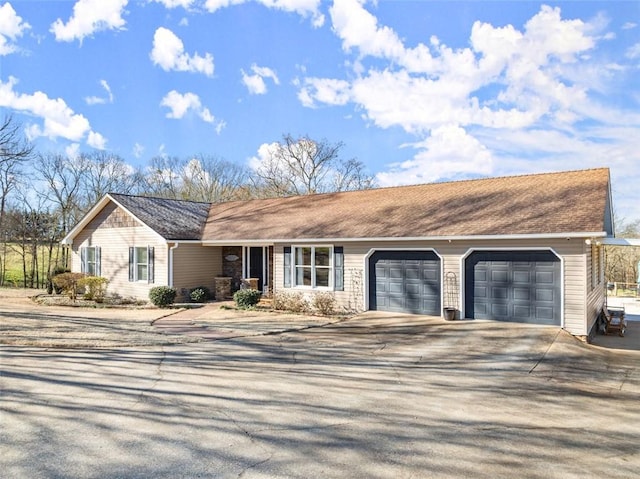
point(287, 266)
point(338, 268)
point(83, 259)
point(132, 264)
point(98, 261)
point(150, 269)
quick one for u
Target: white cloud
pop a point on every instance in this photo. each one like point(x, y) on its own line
point(97, 100)
point(168, 53)
point(96, 140)
point(255, 83)
point(90, 16)
point(506, 79)
point(186, 4)
point(180, 104)
point(72, 151)
point(138, 150)
point(633, 51)
point(324, 90)
point(11, 28)
point(304, 8)
point(449, 151)
point(629, 25)
point(58, 120)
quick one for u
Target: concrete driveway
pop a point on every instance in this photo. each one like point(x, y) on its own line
point(377, 396)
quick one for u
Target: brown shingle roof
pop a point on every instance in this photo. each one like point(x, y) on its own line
point(551, 203)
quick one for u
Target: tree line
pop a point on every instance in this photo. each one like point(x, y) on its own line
point(45, 194)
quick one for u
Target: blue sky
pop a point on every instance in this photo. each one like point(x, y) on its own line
point(419, 91)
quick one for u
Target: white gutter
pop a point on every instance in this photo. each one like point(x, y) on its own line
point(175, 246)
point(567, 236)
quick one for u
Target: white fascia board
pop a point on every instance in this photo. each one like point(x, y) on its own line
point(621, 241)
point(68, 240)
point(599, 234)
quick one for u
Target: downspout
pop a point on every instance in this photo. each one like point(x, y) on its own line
point(175, 246)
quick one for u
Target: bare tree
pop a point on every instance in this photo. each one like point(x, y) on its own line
point(305, 166)
point(63, 179)
point(211, 179)
point(200, 178)
point(622, 261)
point(106, 173)
point(162, 177)
point(15, 150)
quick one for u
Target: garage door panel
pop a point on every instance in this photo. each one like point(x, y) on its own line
point(519, 286)
point(545, 295)
point(499, 276)
point(480, 292)
point(412, 273)
point(521, 277)
point(544, 277)
point(499, 292)
point(395, 272)
point(480, 275)
point(405, 281)
point(499, 310)
point(544, 314)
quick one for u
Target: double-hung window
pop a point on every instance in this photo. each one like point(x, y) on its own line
point(313, 266)
point(141, 263)
point(90, 260)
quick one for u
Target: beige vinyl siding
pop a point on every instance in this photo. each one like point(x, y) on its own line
point(195, 265)
point(595, 296)
point(114, 243)
point(572, 253)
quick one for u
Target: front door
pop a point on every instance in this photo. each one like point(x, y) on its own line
point(256, 265)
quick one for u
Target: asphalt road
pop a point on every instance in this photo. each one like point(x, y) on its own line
point(377, 396)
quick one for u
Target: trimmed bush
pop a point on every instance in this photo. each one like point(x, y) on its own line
point(162, 296)
point(324, 303)
point(95, 287)
point(67, 283)
point(246, 298)
point(200, 294)
point(290, 301)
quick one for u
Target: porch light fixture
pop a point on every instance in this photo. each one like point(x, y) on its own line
point(231, 257)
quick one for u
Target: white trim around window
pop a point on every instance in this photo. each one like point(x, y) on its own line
point(90, 260)
point(312, 267)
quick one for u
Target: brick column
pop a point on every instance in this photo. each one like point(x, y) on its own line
point(222, 288)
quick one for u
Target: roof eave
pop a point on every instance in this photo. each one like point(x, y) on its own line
point(93, 212)
point(568, 236)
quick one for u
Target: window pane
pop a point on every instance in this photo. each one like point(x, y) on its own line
point(142, 272)
point(303, 256)
point(91, 255)
point(323, 256)
point(322, 277)
point(303, 276)
point(141, 255)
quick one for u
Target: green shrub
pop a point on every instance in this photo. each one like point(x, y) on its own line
point(67, 283)
point(95, 287)
point(50, 284)
point(162, 296)
point(324, 303)
point(200, 294)
point(246, 298)
point(290, 301)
